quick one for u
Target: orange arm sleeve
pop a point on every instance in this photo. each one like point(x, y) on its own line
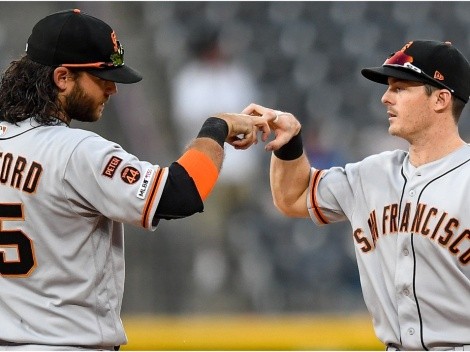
point(201, 169)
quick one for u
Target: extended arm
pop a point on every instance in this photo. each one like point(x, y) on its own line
point(289, 183)
point(192, 177)
point(290, 168)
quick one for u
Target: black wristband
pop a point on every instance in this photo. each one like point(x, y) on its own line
point(216, 129)
point(292, 149)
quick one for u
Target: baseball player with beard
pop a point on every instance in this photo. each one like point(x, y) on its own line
point(409, 211)
point(65, 193)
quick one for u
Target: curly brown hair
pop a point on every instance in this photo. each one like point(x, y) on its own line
point(27, 90)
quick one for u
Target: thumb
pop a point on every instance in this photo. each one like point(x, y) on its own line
point(280, 140)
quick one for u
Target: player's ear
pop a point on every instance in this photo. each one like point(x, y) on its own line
point(60, 76)
point(443, 99)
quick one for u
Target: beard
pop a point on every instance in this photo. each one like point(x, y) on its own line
point(80, 106)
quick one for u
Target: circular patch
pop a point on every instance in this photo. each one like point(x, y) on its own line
point(130, 175)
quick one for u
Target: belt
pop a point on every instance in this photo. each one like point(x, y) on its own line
point(38, 347)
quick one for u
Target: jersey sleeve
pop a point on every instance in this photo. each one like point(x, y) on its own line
point(339, 194)
point(330, 196)
point(102, 178)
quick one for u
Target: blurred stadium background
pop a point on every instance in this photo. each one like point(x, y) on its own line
point(240, 276)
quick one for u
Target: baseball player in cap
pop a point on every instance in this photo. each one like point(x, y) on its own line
point(65, 193)
point(409, 211)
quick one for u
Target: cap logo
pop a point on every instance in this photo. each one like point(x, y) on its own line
point(114, 40)
point(406, 46)
point(439, 76)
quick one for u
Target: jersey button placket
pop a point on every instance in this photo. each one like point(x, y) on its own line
point(406, 307)
point(408, 317)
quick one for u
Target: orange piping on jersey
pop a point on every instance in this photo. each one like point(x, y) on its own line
point(151, 198)
point(313, 196)
point(202, 170)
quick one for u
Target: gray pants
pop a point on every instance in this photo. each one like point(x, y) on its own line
point(9, 346)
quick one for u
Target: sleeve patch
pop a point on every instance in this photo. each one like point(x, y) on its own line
point(145, 184)
point(130, 175)
point(111, 166)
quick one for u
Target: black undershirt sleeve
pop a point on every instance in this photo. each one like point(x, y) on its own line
point(180, 197)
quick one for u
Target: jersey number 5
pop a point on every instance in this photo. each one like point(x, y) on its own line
point(12, 240)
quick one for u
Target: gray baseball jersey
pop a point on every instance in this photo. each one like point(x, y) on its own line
point(64, 194)
point(411, 231)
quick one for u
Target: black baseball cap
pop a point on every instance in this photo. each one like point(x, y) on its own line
point(439, 64)
point(74, 39)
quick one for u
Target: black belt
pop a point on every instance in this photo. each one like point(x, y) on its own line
point(15, 344)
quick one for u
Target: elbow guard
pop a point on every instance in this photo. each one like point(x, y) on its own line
point(180, 197)
point(201, 169)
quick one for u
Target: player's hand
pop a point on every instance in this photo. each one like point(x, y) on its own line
point(284, 124)
point(243, 129)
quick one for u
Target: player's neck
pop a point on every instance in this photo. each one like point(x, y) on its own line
point(62, 117)
point(433, 149)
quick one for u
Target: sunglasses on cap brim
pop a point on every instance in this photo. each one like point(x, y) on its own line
point(117, 60)
point(402, 60)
